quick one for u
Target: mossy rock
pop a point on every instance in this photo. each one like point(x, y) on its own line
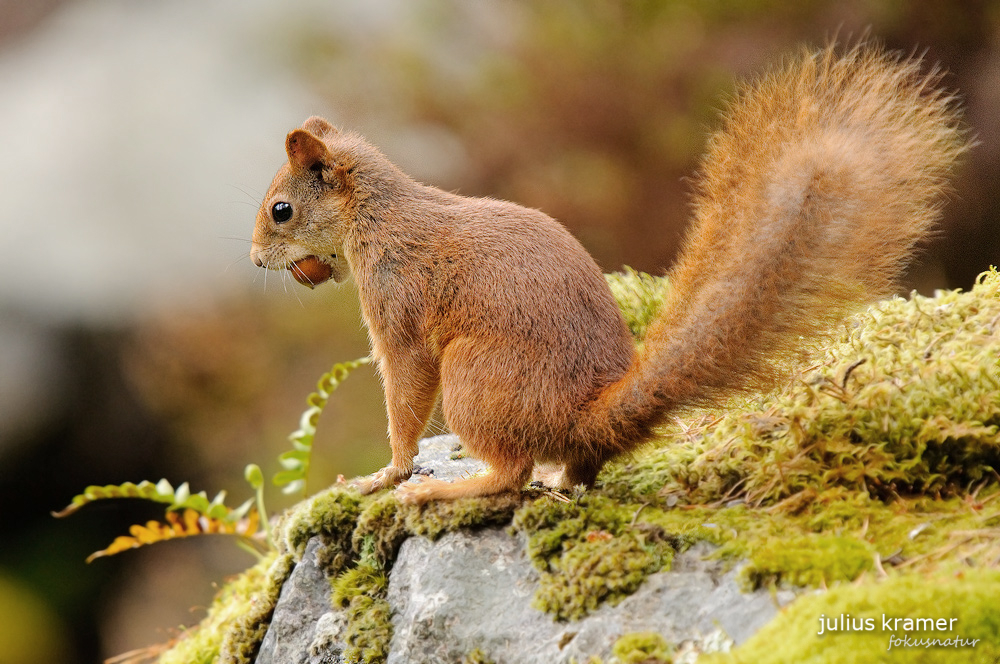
point(870, 475)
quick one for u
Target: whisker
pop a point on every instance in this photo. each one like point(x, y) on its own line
point(257, 198)
point(295, 291)
point(246, 255)
point(267, 268)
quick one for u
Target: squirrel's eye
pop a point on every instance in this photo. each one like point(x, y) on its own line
point(281, 212)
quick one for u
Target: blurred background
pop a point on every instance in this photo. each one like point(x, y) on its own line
point(137, 341)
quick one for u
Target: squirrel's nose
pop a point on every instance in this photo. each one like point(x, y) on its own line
point(255, 251)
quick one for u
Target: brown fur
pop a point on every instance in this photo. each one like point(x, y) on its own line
point(810, 200)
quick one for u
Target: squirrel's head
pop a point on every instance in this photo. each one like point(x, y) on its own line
point(304, 216)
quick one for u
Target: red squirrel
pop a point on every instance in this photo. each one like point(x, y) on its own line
point(824, 175)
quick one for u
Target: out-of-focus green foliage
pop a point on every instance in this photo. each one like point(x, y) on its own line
point(31, 631)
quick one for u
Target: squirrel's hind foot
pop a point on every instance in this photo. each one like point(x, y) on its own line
point(385, 478)
point(493, 482)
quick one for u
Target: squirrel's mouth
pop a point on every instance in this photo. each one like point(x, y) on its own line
point(310, 271)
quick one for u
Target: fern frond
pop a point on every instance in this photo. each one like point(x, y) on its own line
point(180, 498)
point(296, 461)
point(186, 523)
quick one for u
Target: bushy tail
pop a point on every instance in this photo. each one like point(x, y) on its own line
point(810, 200)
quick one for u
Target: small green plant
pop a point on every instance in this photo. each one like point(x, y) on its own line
point(296, 461)
point(189, 514)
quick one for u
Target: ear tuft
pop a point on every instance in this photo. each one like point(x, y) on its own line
point(318, 126)
point(305, 151)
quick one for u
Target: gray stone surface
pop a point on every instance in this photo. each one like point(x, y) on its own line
point(474, 590)
point(464, 591)
point(436, 456)
point(328, 642)
point(470, 590)
point(304, 599)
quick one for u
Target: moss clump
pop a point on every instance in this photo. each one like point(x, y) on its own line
point(477, 656)
point(381, 527)
point(639, 297)
point(642, 648)
point(808, 560)
point(366, 578)
point(588, 553)
point(237, 619)
point(331, 514)
point(553, 527)
point(969, 597)
point(444, 516)
point(594, 572)
point(361, 591)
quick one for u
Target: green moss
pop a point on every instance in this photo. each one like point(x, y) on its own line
point(553, 527)
point(367, 578)
point(840, 537)
point(237, 619)
point(905, 400)
point(642, 648)
point(639, 297)
point(369, 630)
point(969, 597)
point(361, 591)
point(444, 516)
point(331, 513)
point(808, 560)
point(590, 573)
point(381, 526)
point(588, 553)
point(384, 524)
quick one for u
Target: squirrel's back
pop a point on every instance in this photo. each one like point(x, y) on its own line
point(811, 197)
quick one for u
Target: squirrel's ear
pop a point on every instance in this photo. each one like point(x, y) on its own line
point(306, 152)
point(318, 126)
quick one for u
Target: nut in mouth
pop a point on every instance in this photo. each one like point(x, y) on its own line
point(310, 271)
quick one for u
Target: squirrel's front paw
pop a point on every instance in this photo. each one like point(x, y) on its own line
point(386, 478)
